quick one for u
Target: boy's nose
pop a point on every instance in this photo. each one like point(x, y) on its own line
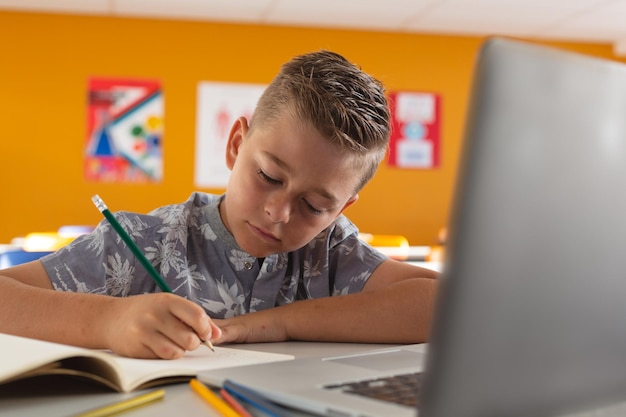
point(278, 209)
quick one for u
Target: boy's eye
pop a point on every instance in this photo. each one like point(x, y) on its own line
point(267, 178)
point(311, 208)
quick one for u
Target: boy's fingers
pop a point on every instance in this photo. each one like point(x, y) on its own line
point(197, 320)
point(193, 316)
point(164, 347)
point(231, 333)
point(219, 331)
point(216, 331)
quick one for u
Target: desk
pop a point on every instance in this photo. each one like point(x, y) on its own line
point(435, 266)
point(57, 397)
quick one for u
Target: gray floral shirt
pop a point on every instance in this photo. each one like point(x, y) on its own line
point(199, 259)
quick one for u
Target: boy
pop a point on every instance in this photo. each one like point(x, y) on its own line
point(272, 259)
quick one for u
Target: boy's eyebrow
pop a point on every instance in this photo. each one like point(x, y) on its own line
point(283, 165)
point(278, 161)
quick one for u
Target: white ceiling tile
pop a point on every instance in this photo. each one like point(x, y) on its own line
point(462, 17)
point(564, 5)
point(231, 10)
point(58, 6)
point(374, 14)
point(606, 22)
point(578, 20)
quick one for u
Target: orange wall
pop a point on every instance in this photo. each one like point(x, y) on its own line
point(46, 60)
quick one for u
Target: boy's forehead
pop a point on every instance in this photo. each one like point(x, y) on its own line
point(296, 146)
point(335, 183)
point(292, 127)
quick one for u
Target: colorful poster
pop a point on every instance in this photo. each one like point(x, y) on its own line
point(219, 105)
point(415, 134)
point(124, 131)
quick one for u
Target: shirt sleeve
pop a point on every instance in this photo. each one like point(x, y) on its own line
point(337, 262)
point(100, 263)
point(351, 260)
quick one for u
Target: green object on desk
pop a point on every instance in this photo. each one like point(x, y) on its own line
point(130, 243)
point(154, 274)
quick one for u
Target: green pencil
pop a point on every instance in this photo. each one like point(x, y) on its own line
point(154, 274)
point(131, 244)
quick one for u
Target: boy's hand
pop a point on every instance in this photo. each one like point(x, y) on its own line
point(263, 326)
point(158, 325)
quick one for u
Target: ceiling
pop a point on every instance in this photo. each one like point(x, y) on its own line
point(598, 21)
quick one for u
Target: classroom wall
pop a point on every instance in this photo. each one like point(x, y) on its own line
point(46, 60)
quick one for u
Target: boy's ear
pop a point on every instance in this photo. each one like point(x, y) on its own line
point(235, 139)
point(350, 202)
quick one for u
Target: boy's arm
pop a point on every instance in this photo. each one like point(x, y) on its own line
point(395, 306)
point(151, 325)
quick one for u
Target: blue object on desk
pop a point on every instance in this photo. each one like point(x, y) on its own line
point(253, 398)
point(16, 257)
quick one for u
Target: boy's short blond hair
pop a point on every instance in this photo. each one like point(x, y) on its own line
point(343, 103)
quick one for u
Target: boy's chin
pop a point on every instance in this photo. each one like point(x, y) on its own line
point(255, 250)
point(261, 252)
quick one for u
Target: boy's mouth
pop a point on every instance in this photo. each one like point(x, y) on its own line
point(264, 233)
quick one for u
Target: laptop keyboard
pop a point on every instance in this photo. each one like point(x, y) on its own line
point(399, 389)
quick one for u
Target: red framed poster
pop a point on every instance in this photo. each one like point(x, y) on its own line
point(415, 130)
point(124, 140)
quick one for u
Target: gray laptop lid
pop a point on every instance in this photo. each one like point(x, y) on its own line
point(531, 317)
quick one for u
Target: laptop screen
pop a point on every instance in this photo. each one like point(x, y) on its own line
point(531, 314)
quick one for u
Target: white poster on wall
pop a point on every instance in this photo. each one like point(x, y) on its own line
point(219, 105)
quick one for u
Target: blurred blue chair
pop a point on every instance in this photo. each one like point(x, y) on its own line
point(16, 257)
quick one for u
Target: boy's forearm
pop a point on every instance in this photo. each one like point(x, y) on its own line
point(399, 313)
point(46, 314)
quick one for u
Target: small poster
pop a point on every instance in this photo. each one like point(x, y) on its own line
point(415, 137)
point(219, 106)
point(124, 131)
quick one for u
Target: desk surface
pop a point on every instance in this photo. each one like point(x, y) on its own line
point(56, 397)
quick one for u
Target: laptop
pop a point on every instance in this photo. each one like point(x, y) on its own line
point(530, 318)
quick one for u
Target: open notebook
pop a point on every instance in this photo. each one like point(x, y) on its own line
point(22, 358)
point(531, 317)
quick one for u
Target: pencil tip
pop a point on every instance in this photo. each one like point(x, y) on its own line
point(208, 344)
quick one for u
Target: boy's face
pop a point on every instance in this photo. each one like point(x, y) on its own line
point(288, 183)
